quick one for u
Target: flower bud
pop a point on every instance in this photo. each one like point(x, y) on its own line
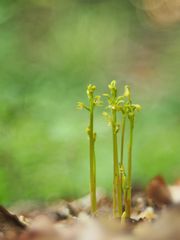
point(112, 85)
point(80, 105)
point(138, 107)
point(90, 90)
point(126, 91)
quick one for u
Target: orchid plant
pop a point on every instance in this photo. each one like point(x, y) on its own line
point(122, 178)
point(114, 102)
point(129, 109)
point(93, 102)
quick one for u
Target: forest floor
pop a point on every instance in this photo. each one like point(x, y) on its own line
point(155, 216)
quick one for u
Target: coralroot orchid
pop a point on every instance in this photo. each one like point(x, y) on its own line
point(129, 110)
point(93, 102)
point(113, 105)
point(121, 177)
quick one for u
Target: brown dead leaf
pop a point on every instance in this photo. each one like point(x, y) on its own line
point(177, 182)
point(10, 225)
point(158, 192)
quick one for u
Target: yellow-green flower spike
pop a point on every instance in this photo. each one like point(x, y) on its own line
point(90, 90)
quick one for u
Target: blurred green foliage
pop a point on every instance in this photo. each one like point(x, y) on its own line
point(50, 51)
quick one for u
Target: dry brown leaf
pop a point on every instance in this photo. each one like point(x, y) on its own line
point(10, 225)
point(158, 192)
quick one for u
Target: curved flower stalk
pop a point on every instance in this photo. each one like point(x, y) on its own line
point(113, 104)
point(129, 111)
point(93, 102)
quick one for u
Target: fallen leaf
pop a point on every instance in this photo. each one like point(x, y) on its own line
point(10, 225)
point(158, 192)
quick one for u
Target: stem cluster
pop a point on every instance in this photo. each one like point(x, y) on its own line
point(122, 178)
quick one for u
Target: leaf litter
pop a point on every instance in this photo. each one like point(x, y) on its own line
point(155, 216)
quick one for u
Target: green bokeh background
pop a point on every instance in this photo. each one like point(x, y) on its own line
point(49, 52)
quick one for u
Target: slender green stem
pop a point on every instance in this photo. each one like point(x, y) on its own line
point(117, 194)
point(122, 153)
point(92, 160)
point(129, 175)
point(122, 138)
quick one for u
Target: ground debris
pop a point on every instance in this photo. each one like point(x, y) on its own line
point(158, 192)
point(10, 225)
point(157, 219)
